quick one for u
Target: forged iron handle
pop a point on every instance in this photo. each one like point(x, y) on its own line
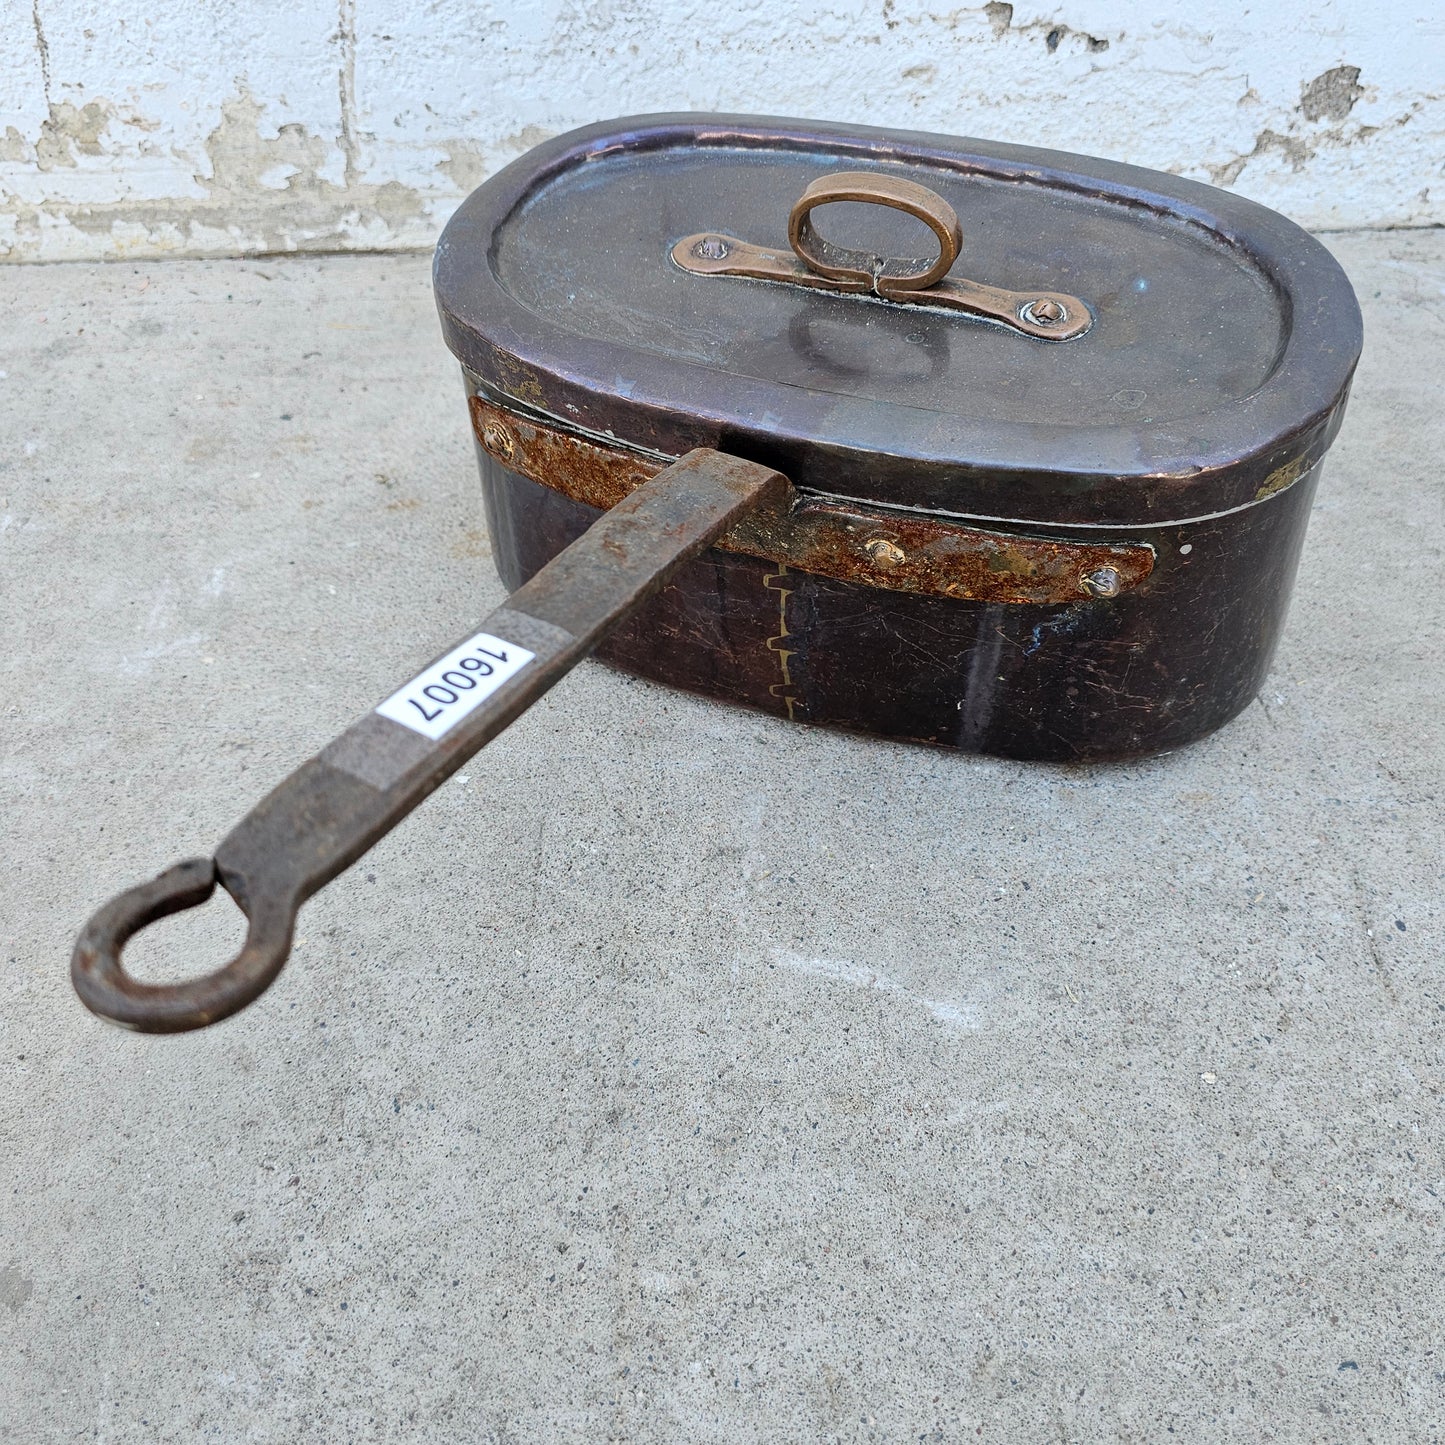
point(323, 817)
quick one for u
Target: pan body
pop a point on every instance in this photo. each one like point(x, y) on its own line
point(599, 298)
point(1151, 669)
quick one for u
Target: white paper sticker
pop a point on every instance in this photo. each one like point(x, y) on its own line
point(436, 700)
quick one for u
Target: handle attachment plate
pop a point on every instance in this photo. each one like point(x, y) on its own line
point(896, 550)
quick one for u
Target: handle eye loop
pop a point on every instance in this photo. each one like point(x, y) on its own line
point(107, 989)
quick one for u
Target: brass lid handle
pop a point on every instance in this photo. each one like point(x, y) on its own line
point(881, 274)
point(821, 264)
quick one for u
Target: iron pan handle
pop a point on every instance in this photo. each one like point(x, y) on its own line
point(323, 817)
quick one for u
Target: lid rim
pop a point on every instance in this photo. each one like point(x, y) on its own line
point(536, 414)
point(1197, 464)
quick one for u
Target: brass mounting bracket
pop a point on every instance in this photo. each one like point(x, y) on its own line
point(820, 264)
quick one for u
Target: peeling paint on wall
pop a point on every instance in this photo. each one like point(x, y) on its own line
point(1331, 96)
point(357, 124)
point(259, 193)
point(66, 132)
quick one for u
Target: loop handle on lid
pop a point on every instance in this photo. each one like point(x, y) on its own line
point(881, 274)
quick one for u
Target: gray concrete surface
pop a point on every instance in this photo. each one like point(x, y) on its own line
point(675, 1074)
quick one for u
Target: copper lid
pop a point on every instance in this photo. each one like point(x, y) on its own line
point(1161, 351)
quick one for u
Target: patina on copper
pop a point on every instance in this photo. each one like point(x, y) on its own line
point(885, 517)
point(1222, 348)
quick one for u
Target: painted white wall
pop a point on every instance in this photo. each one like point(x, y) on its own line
point(224, 126)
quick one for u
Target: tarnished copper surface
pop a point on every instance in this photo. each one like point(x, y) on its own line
point(896, 551)
point(819, 263)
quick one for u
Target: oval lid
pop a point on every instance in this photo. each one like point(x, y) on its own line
point(1214, 374)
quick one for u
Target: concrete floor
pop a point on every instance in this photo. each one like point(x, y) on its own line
point(676, 1074)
